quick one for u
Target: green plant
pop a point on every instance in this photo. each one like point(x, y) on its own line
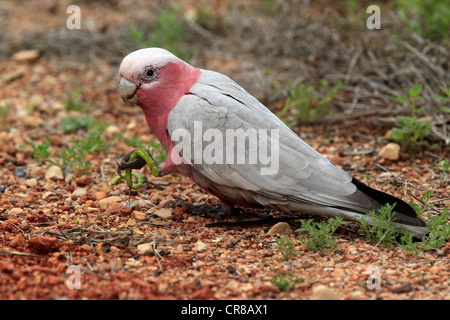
point(424, 206)
point(167, 33)
point(286, 247)
point(317, 235)
point(308, 104)
point(438, 235)
point(75, 155)
point(72, 124)
point(74, 102)
point(42, 151)
point(285, 282)
point(429, 18)
point(4, 115)
point(381, 230)
point(444, 167)
point(412, 132)
point(157, 150)
point(439, 230)
point(135, 142)
point(445, 99)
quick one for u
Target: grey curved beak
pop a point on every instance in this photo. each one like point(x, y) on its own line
point(127, 90)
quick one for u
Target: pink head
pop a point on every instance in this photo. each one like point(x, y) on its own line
point(155, 80)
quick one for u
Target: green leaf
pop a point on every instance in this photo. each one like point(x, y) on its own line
point(402, 99)
point(445, 109)
point(447, 91)
point(415, 92)
point(443, 98)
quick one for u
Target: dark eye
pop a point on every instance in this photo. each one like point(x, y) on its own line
point(149, 74)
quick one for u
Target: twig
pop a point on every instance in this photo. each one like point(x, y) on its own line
point(156, 253)
point(17, 253)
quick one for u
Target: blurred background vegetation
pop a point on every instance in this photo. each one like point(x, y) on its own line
point(309, 61)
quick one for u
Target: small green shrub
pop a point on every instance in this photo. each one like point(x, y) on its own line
point(285, 282)
point(287, 248)
point(42, 151)
point(4, 116)
point(317, 235)
point(72, 124)
point(429, 18)
point(411, 132)
point(74, 102)
point(381, 231)
point(75, 155)
point(446, 99)
point(167, 33)
point(308, 104)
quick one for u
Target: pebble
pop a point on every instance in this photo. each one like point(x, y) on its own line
point(26, 55)
point(54, 173)
point(79, 192)
point(200, 246)
point(281, 228)
point(110, 130)
point(117, 208)
point(104, 203)
point(139, 215)
point(99, 195)
point(31, 182)
point(391, 151)
point(145, 249)
point(43, 244)
point(83, 181)
point(322, 292)
point(15, 211)
point(405, 287)
point(19, 172)
point(164, 213)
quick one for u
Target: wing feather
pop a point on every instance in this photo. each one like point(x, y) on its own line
point(304, 175)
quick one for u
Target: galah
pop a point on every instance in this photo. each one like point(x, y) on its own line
point(177, 97)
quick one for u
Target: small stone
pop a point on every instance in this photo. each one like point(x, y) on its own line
point(405, 287)
point(54, 173)
point(31, 182)
point(145, 249)
point(164, 213)
point(17, 241)
point(117, 208)
point(391, 151)
point(19, 172)
point(281, 228)
point(30, 121)
point(200, 246)
point(79, 192)
point(43, 244)
point(110, 130)
point(322, 292)
point(36, 171)
point(139, 215)
point(26, 55)
point(83, 181)
point(99, 195)
point(104, 203)
point(15, 211)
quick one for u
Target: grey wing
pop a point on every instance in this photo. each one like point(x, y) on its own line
point(302, 174)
